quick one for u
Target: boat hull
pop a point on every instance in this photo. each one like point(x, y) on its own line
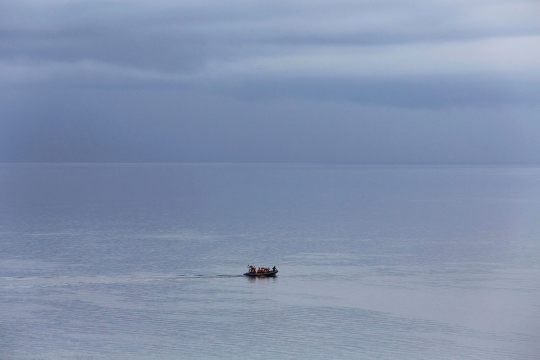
point(265, 274)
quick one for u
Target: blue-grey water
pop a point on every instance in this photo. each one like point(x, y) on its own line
point(375, 262)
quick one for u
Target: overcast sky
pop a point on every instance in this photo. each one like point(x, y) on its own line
point(343, 81)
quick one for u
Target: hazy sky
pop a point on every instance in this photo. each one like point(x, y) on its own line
point(389, 81)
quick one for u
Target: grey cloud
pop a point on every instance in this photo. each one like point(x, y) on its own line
point(413, 92)
point(185, 38)
point(148, 125)
point(178, 52)
point(132, 82)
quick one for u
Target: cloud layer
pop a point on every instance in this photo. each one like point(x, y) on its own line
point(240, 57)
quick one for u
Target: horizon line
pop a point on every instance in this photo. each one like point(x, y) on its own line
point(523, 164)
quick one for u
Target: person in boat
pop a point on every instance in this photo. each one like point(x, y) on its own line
point(274, 268)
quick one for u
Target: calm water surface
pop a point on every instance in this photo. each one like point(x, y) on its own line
point(145, 262)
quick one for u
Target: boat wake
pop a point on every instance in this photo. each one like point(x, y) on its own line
point(46, 281)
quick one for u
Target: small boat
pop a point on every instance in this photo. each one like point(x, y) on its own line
point(254, 271)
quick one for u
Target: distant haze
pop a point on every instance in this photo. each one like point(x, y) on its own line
point(270, 81)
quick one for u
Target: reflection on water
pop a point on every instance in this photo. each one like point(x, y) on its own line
point(261, 278)
point(146, 262)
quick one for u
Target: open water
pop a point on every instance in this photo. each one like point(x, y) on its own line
point(375, 262)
